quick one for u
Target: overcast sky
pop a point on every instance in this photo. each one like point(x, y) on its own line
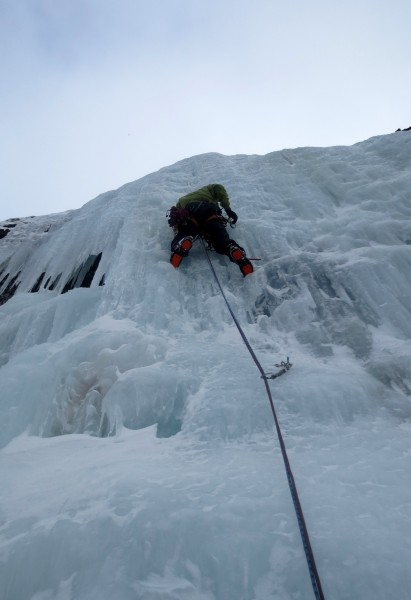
point(97, 93)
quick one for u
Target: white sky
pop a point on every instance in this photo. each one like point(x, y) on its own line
point(97, 93)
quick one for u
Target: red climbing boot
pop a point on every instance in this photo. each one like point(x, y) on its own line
point(181, 250)
point(238, 256)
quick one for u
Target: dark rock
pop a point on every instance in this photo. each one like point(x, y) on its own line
point(55, 282)
point(10, 290)
point(37, 285)
point(84, 274)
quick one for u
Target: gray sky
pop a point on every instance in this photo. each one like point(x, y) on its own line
point(97, 93)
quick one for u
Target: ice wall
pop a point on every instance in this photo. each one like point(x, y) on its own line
point(139, 458)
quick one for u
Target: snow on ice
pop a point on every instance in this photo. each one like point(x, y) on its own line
point(138, 454)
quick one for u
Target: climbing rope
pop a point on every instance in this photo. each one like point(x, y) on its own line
point(312, 568)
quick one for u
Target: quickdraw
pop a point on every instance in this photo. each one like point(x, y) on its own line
point(284, 366)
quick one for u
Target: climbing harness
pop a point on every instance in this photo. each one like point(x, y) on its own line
point(178, 217)
point(312, 568)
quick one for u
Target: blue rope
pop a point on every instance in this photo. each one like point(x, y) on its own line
point(312, 568)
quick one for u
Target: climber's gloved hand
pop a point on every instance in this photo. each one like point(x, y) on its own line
point(232, 215)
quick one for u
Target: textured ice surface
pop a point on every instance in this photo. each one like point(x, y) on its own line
point(139, 458)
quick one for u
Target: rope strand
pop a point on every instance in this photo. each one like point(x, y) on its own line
point(312, 567)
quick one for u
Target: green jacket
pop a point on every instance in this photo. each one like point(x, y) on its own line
point(215, 192)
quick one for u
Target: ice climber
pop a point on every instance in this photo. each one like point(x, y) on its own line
point(199, 213)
